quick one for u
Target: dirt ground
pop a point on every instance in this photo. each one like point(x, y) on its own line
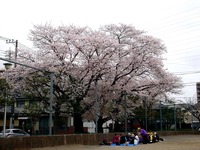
point(180, 142)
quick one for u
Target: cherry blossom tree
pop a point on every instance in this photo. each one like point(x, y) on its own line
point(118, 57)
point(136, 67)
point(77, 56)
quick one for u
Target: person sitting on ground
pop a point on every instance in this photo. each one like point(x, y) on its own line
point(136, 139)
point(151, 137)
point(132, 138)
point(156, 138)
point(122, 139)
point(105, 142)
point(116, 139)
point(145, 136)
point(128, 138)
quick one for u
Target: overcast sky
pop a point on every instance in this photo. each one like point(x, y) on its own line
point(176, 22)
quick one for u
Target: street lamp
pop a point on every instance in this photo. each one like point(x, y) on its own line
point(7, 66)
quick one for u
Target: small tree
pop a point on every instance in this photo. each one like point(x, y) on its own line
point(5, 94)
point(191, 105)
point(33, 109)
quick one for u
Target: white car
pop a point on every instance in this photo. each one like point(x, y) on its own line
point(14, 133)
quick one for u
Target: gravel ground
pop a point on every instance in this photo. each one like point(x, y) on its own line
point(180, 142)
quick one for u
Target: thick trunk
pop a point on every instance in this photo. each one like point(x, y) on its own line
point(116, 126)
point(56, 121)
point(78, 123)
point(100, 124)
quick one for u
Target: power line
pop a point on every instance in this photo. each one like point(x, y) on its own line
point(190, 83)
point(188, 49)
point(165, 19)
point(186, 72)
point(191, 24)
point(177, 28)
point(3, 38)
point(24, 47)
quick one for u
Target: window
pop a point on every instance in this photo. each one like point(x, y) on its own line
point(20, 103)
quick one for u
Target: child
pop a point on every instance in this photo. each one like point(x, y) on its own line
point(122, 139)
point(116, 139)
point(156, 137)
point(136, 139)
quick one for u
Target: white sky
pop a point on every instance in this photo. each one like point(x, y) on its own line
point(176, 22)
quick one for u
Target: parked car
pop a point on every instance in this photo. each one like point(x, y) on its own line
point(14, 133)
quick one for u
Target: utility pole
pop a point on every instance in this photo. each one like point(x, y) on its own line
point(145, 113)
point(16, 51)
point(125, 99)
point(97, 106)
point(50, 104)
point(9, 41)
point(160, 116)
point(175, 117)
point(12, 118)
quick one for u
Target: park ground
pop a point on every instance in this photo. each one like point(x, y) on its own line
point(178, 142)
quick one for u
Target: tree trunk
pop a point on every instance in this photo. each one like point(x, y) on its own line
point(117, 126)
point(78, 123)
point(100, 124)
point(56, 120)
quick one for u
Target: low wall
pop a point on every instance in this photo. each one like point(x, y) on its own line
point(25, 143)
point(18, 143)
point(168, 133)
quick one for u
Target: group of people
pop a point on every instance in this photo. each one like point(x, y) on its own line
point(150, 137)
point(142, 136)
point(119, 139)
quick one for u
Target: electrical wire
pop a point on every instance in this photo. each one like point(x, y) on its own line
point(174, 15)
point(186, 72)
point(194, 27)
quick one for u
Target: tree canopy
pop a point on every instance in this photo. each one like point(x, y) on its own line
point(118, 57)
